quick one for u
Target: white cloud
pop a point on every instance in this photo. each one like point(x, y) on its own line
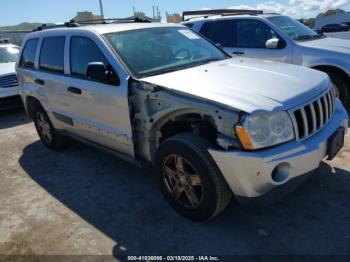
point(297, 8)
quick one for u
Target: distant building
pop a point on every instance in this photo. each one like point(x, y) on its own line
point(332, 19)
point(85, 16)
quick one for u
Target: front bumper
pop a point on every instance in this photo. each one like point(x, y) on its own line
point(10, 98)
point(249, 174)
point(9, 91)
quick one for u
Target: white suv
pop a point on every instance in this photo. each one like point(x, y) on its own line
point(270, 36)
point(160, 94)
point(9, 91)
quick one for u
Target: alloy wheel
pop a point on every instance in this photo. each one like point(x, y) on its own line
point(182, 181)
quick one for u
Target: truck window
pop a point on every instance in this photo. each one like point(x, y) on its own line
point(82, 52)
point(28, 56)
point(220, 32)
point(253, 34)
point(52, 54)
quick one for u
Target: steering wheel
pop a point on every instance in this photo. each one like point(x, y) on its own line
point(183, 50)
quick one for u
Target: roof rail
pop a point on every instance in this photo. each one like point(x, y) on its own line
point(45, 26)
point(74, 23)
point(222, 12)
point(113, 20)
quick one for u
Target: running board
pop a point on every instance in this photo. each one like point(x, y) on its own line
point(104, 149)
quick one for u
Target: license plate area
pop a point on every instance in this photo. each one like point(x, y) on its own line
point(335, 143)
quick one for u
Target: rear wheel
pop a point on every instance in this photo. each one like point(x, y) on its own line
point(190, 179)
point(47, 133)
point(342, 88)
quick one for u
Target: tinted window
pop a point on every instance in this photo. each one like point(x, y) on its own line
point(28, 55)
point(52, 55)
point(220, 32)
point(82, 52)
point(189, 25)
point(253, 34)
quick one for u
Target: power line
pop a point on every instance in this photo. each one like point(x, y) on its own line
point(101, 9)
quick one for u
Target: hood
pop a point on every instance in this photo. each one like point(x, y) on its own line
point(7, 68)
point(329, 44)
point(247, 84)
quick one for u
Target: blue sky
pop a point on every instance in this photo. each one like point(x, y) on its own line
point(16, 11)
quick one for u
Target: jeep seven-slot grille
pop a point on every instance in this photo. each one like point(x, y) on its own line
point(311, 117)
point(8, 81)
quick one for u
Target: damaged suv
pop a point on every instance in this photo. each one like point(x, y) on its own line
point(212, 126)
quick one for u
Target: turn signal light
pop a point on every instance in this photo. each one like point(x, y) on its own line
point(244, 137)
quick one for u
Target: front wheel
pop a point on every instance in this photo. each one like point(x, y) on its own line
point(190, 179)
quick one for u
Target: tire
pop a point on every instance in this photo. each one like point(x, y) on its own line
point(204, 191)
point(47, 133)
point(343, 89)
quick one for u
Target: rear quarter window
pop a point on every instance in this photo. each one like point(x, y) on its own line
point(28, 55)
point(52, 54)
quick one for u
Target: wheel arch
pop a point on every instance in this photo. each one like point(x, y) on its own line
point(332, 69)
point(31, 104)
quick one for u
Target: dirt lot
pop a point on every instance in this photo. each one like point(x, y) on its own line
point(81, 201)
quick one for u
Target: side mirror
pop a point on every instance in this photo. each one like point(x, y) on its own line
point(274, 43)
point(98, 71)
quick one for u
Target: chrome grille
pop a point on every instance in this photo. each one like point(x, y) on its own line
point(8, 81)
point(312, 117)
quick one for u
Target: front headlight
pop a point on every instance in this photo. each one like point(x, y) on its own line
point(264, 130)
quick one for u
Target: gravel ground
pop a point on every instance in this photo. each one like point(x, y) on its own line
point(83, 202)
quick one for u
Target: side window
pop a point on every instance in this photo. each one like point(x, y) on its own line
point(52, 54)
point(82, 52)
point(220, 32)
point(253, 34)
point(28, 54)
point(189, 25)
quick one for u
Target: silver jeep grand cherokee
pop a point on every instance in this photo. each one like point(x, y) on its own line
point(160, 94)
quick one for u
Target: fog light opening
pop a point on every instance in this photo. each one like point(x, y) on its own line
point(281, 173)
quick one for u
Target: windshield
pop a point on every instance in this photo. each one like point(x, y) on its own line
point(159, 50)
point(293, 28)
point(8, 54)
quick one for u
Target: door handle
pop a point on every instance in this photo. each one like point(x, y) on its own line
point(39, 82)
point(74, 90)
point(238, 53)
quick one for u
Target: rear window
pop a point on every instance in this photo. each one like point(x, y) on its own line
point(28, 55)
point(220, 32)
point(52, 55)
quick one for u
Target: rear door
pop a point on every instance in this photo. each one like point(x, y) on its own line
point(221, 32)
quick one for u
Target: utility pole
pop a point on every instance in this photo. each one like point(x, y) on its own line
point(101, 10)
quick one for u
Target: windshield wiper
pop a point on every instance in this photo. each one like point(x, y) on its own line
point(307, 37)
point(181, 67)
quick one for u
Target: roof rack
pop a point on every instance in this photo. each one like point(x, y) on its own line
point(223, 12)
point(45, 26)
point(113, 21)
point(74, 23)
